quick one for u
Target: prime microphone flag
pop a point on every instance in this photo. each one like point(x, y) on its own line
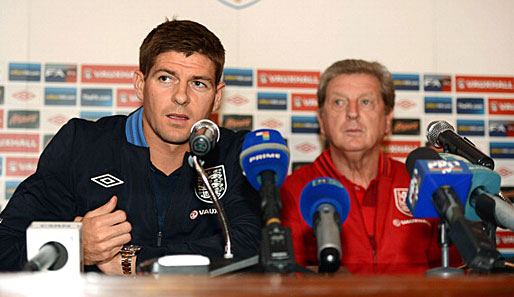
point(264, 150)
point(428, 172)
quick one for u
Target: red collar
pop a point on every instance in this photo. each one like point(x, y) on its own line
point(328, 168)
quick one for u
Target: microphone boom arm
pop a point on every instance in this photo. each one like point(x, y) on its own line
point(222, 217)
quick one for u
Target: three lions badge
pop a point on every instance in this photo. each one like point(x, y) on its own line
point(218, 181)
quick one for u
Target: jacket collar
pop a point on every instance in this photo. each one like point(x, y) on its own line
point(134, 128)
point(384, 166)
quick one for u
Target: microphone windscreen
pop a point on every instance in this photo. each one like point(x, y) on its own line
point(483, 178)
point(324, 190)
point(430, 172)
point(203, 138)
point(264, 149)
point(421, 153)
point(434, 129)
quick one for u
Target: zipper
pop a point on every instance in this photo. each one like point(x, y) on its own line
point(159, 238)
point(374, 252)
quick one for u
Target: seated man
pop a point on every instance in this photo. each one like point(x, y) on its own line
point(355, 112)
point(157, 201)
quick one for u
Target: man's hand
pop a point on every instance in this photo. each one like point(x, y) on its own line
point(104, 232)
point(113, 265)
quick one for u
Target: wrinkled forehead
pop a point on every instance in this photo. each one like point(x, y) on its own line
point(173, 61)
point(353, 85)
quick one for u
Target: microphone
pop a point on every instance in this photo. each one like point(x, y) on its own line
point(51, 256)
point(264, 151)
point(442, 134)
point(483, 202)
point(325, 205)
point(204, 136)
point(54, 247)
point(428, 172)
point(264, 159)
point(445, 183)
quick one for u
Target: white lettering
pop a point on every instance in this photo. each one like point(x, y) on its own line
point(506, 106)
point(95, 97)
point(207, 211)
point(24, 143)
point(264, 156)
point(113, 74)
point(489, 84)
point(295, 79)
point(396, 148)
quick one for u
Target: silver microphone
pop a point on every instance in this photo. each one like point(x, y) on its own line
point(442, 134)
point(204, 136)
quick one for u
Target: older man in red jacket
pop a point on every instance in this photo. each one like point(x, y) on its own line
point(356, 100)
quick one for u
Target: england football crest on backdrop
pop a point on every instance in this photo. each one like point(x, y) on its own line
point(400, 200)
point(239, 4)
point(217, 180)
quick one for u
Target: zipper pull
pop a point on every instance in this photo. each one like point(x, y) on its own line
point(159, 238)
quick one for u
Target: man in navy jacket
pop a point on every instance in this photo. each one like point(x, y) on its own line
point(127, 179)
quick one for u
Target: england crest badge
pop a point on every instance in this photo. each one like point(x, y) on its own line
point(218, 181)
point(400, 200)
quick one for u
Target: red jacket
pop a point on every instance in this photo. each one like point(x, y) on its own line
point(403, 244)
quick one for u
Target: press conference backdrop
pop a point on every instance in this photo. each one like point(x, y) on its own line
point(451, 60)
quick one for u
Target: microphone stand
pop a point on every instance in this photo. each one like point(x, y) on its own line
point(222, 217)
point(444, 241)
point(276, 251)
point(489, 227)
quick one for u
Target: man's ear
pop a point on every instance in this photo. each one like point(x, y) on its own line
point(389, 122)
point(139, 84)
point(319, 115)
point(218, 96)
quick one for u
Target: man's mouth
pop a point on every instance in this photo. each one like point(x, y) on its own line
point(178, 117)
point(353, 130)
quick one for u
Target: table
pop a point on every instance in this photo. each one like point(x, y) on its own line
point(250, 285)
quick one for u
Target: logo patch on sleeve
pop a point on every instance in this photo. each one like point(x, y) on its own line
point(217, 180)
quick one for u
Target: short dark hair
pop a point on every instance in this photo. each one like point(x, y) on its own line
point(185, 37)
point(351, 66)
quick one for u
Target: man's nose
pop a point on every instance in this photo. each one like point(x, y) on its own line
point(352, 109)
point(180, 94)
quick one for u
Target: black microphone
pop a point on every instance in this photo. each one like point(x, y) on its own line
point(204, 136)
point(51, 256)
point(442, 135)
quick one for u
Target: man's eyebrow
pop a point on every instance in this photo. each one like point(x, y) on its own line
point(368, 94)
point(201, 77)
point(165, 70)
point(339, 94)
point(196, 77)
